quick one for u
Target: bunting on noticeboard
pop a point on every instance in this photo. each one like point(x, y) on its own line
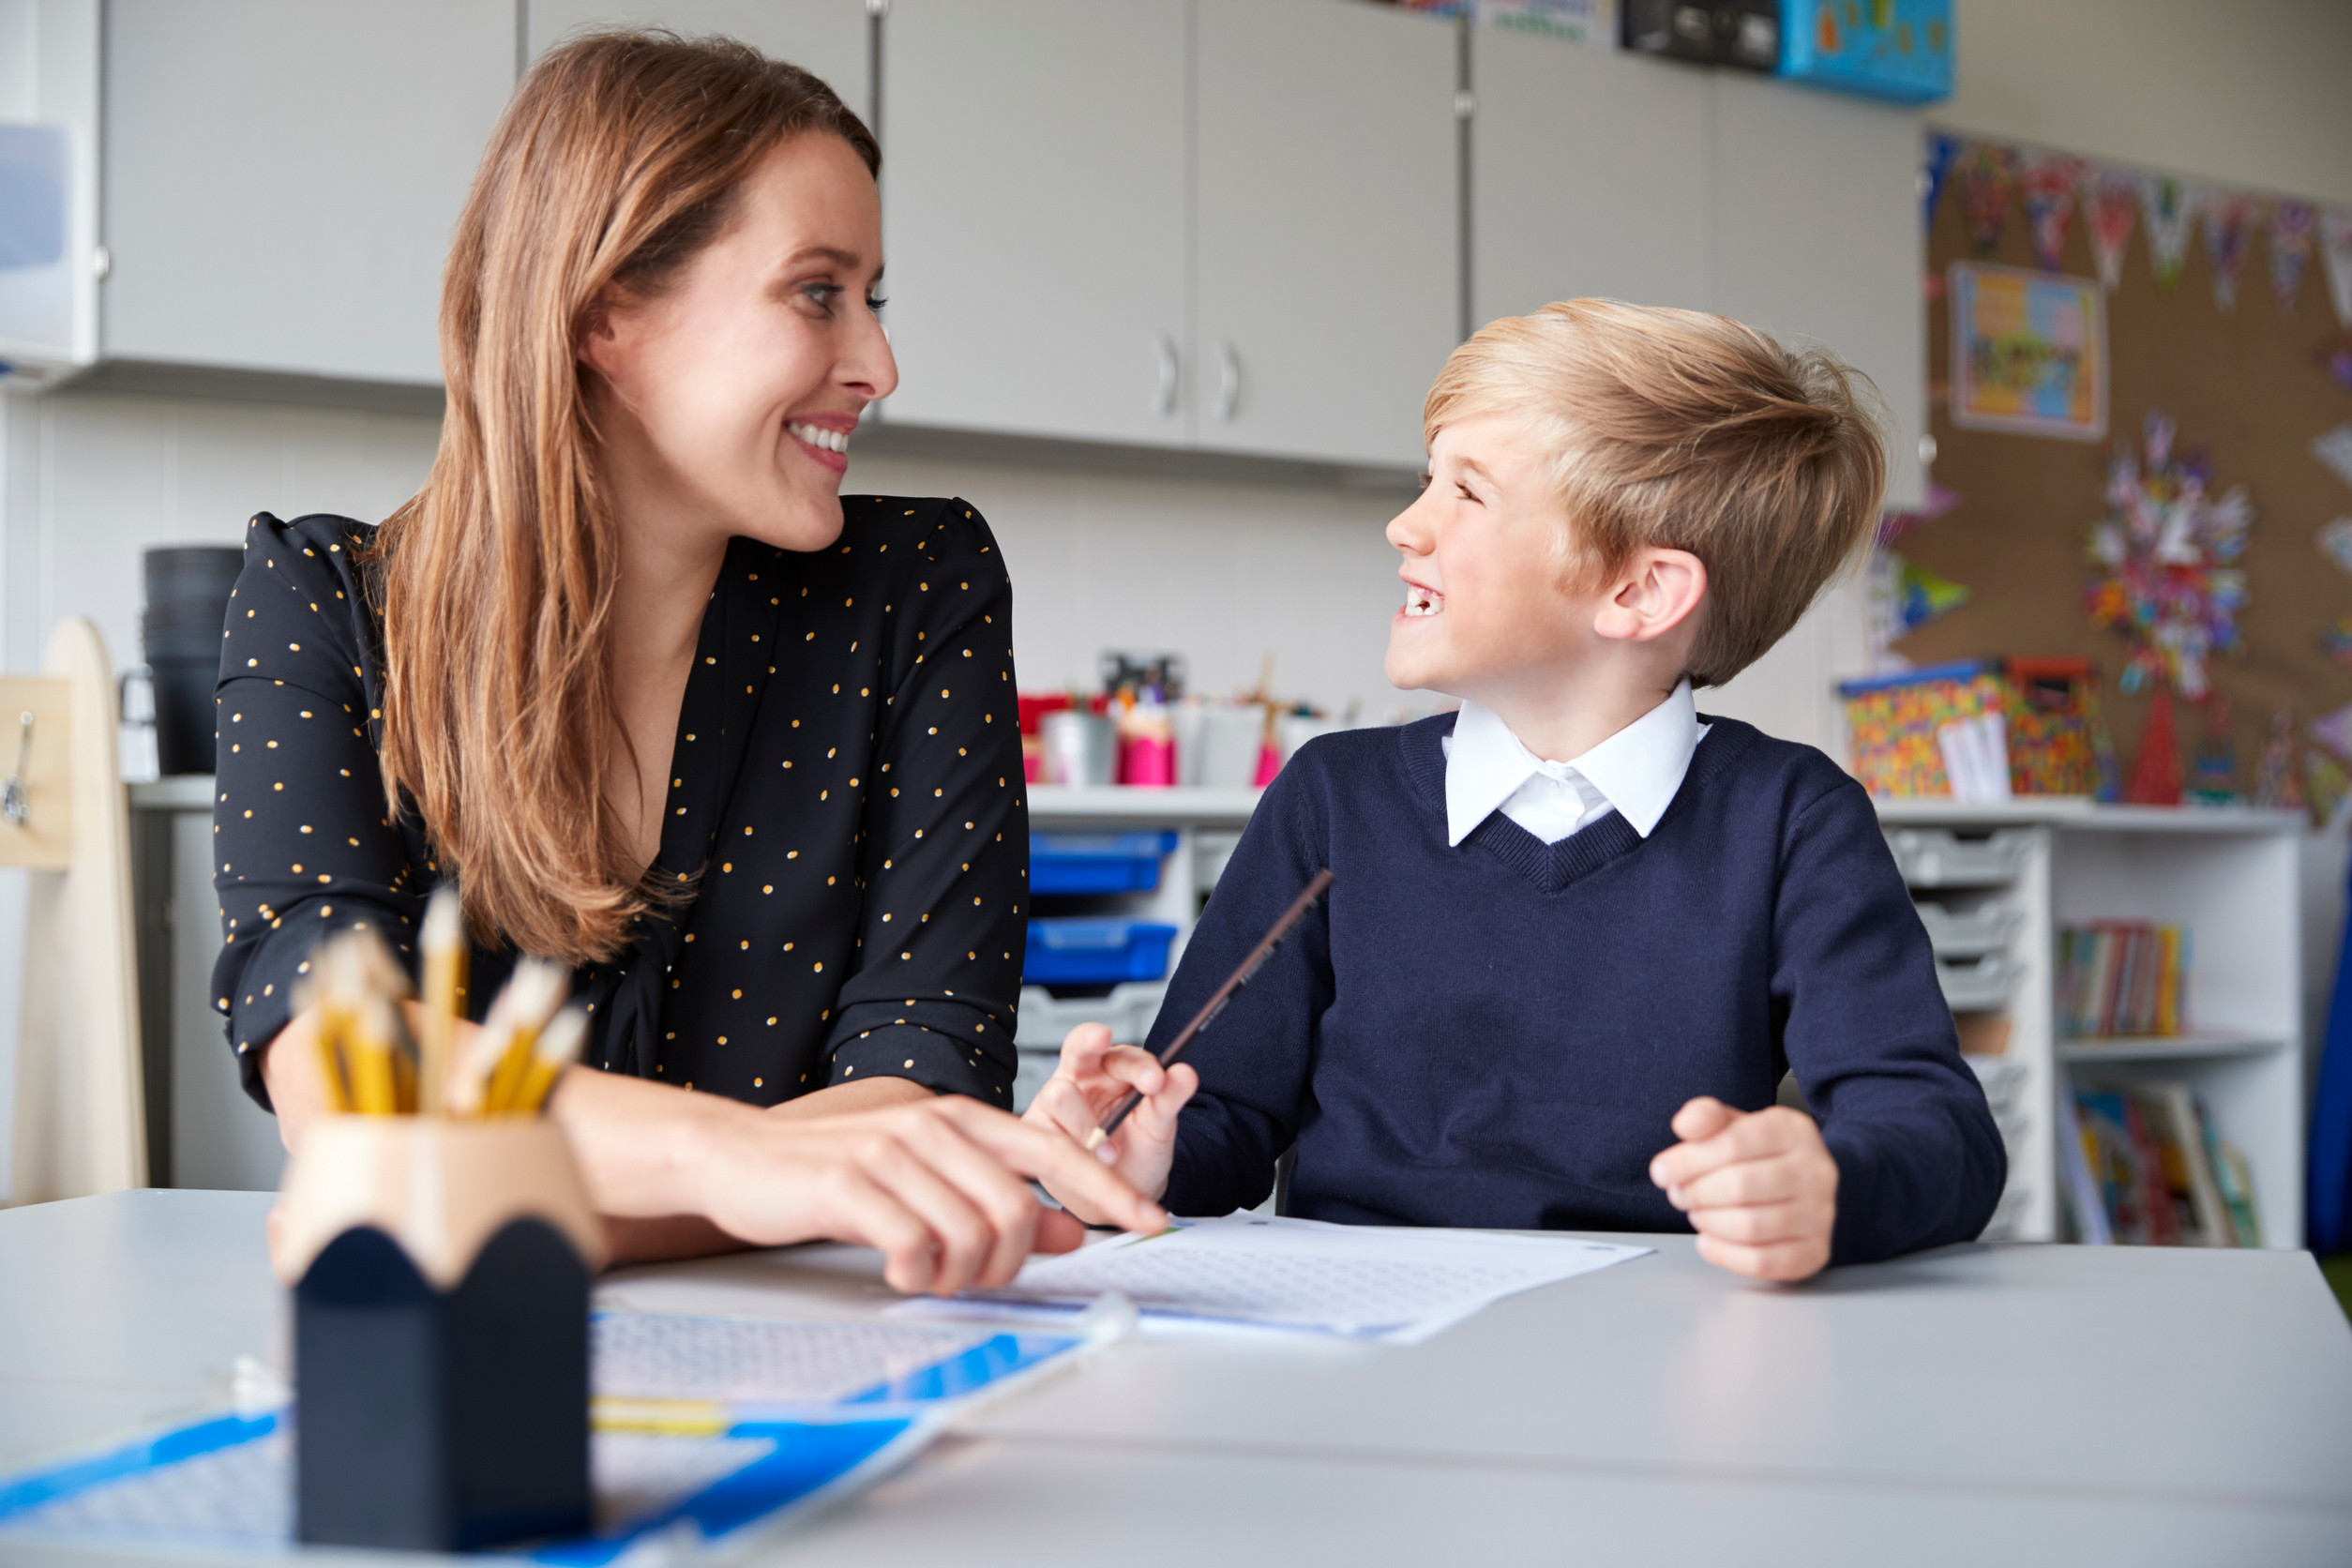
point(1941, 150)
point(2335, 252)
point(2171, 208)
point(2048, 182)
point(1987, 170)
point(2228, 218)
point(2112, 202)
point(2054, 187)
point(2292, 226)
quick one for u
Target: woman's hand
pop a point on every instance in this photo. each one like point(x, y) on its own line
point(1760, 1187)
point(1093, 1076)
point(936, 1186)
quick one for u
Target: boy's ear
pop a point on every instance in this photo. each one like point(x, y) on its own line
point(1657, 591)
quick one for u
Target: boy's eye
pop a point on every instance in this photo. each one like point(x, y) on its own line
point(1424, 478)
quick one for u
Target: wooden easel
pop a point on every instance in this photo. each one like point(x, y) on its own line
point(80, 1116)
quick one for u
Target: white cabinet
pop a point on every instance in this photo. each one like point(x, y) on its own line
point(828, 39)
point(281, 177)
point(1325, 238)
point(1588, 177)
point(1817, 234)
point(1033, 215)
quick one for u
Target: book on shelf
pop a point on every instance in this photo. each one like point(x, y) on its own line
point(2123, 977)
point(2154, 1169)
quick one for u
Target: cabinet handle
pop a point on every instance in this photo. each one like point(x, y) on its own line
point(1228, 381)
point(1169, 369)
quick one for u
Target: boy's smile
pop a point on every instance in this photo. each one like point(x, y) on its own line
point(1486, 562)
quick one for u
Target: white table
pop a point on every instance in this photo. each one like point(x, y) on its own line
point(1979, 1405)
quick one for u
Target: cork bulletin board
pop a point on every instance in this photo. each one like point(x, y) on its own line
point(2249, 385)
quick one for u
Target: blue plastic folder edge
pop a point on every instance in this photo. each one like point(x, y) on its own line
point(819, 1452)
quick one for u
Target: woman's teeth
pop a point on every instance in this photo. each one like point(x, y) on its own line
point(1422, 601)
point(831, 441)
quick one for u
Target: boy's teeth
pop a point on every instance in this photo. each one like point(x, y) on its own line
point(1421, 601)
point(831, 441)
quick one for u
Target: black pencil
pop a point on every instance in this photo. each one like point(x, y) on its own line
point(1215, 1005)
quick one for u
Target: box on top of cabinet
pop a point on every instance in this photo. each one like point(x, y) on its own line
point(1889, 49)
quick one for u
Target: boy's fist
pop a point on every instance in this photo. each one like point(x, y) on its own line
point(1759, 1187)
point(1093, 1076)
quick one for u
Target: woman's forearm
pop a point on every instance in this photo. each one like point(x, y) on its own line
point(645, 1149)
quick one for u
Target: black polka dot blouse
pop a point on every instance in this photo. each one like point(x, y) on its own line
point(846, 812)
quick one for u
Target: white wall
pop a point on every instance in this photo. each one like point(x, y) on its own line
point(2252, 92)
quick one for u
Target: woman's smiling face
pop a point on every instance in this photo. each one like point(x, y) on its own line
point(727, 399)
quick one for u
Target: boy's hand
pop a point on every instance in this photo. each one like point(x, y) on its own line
point(1094, 1075)
point(1759, 1187)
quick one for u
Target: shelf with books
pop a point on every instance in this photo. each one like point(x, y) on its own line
point(2166, 1048)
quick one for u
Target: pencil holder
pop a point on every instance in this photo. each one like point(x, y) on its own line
point(440, 1271)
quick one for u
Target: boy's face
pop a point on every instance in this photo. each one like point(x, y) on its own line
point(1486, 596)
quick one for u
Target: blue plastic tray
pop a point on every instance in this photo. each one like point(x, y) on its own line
point(1095, 952)
point(1097, 862)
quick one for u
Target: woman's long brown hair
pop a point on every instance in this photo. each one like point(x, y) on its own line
point(619, 158)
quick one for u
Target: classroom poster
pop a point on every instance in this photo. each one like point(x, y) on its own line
point(2028, 353)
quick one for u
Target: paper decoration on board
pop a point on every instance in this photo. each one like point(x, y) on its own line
point(2111, 202)
point(2028, 351)
point(2277, 787)
point(2335, 252)
point(2228, 222)
point(1941, 150)
point(2334, 449)
point(2162, 559)
point(1941, 499)
point(2293, 226)
point(1922, 595)
point(2336, 642)
point(2048, 182)
point(2171, 208)
point(1987, 170)
point(2335, 357)
point(2335, 542)
point(2334, 731)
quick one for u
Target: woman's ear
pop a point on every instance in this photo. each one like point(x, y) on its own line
point(1658, 591)
point(601, 326)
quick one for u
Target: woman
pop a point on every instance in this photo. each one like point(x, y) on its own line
point(665, 708)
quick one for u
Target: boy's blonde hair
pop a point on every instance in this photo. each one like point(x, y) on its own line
point(1688, 431)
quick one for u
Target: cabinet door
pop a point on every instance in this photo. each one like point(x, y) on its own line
point(1033, 215)
point(1588, 176)
point(281, 177)
point(825, 37)
point(1326, 236)
point(1818, 235)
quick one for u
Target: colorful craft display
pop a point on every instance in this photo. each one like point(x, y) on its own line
point(2276, 786)
point(1889, 49)
point(2054, 187)
point(2049, 708)
point(2161, 560)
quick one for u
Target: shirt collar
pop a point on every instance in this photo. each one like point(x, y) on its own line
point(1638, 770)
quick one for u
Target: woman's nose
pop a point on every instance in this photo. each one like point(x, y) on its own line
point(869, 367)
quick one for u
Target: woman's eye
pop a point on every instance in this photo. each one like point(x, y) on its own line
point(875, 303)
point(820, 294)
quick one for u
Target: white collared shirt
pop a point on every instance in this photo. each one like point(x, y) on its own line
point(1634, 772)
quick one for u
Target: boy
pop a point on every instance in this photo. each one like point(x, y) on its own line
point(1578, 932)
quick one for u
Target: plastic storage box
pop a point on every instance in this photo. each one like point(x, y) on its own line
point(1969, 933)
point(1937, 857)
point(1976, 985)
point(1887, 49)
point(1083, 952)
point(1097, 862)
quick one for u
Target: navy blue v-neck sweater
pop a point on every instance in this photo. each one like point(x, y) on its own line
point(1497, 1033)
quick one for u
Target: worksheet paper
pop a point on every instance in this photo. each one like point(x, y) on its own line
point(1393, 1283)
